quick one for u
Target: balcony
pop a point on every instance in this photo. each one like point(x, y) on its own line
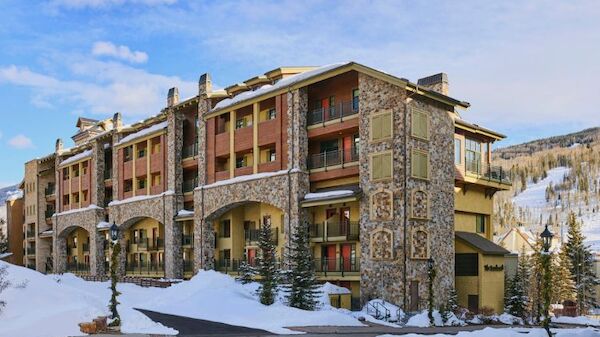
point(189, 151)
point(30, 234)
point(336, 112)
point(49, 213)
point(156, 244)
point(188, 267)
point(332, 158)
point(50, 190)
point(330, 231)
point(190, 184)
point(252, 236)
point(78, 268)
point(487, 172)
point(86, 247)
point(233, 265)
point(108, 173)
point(187, 240)
point(337, 266)
point(145, 268)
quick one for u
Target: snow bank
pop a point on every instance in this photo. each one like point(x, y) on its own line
point(421, 320)
point(218, 297)
point(40, 305)
point(515, 332)
point(581, 320)
point(395, 313)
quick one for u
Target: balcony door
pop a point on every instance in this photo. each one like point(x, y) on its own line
point(344, 220)
point(328, 252)
point(348, 256)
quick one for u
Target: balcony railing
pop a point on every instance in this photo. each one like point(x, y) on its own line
point(189, 151)
point(188, 266)
point(332, 158)
point(156, 244)
point(78, 268)
point(49, 213)
point(337, 265)
point(189, 185)
point(187, 240)
point(86, 247)
point(50, 190)
point(335, 231)
point(253, 235)
point(233, 265)
point(144, 268)
point(339, 111)
point(487, 171)
point(107, 173)
point(30, 234)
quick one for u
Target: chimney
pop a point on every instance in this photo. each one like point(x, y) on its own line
point(437, 83)
point(172, 97)
point(59, 146)
point(204, 85)
point(117, 121)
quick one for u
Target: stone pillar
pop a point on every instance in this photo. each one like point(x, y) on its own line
point(203, 108)
point(297, 137)
point(174, 148)
point(204, 244)
point(97, 171)
point(60, 254)
point(97, 254)
point(122, 258)
point(173, 232)
point(117, 123)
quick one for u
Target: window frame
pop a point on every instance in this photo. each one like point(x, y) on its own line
point(371, 167)
point(381, 114)
point(413, 153)
point(478, 225)
point(417, 111)
point(459, 155)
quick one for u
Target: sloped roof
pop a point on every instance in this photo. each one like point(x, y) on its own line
point(478, 242)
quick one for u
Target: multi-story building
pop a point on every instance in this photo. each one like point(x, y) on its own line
point(361, 157)
point(15, 229)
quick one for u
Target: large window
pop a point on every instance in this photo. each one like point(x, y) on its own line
point(473, 155)
point(466, 264)
point(457, 151)
point(225, 229)
point(355, 93)
point(480, 223)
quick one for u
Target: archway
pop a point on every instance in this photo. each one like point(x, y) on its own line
point(235, 230)
point(77, 244)
point(142, 247)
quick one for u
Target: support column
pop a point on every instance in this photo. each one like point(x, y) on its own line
point(60, 254)
point(133, 175)
point(232, 158)
point(173, 231)
point(255, 150)
point(96, 254)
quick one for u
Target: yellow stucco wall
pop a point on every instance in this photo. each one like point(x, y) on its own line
point(468, 205)
point(81, 236)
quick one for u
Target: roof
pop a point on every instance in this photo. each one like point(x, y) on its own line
point(461, 123)
point(478, 242)
point(86, 120)
point(318, 74)
point(328, 195)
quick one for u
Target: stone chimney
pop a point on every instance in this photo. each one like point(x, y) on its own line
point(117, 121)
point(173, 97)
point(58, 147)
point(437, 83)
point(204, 85)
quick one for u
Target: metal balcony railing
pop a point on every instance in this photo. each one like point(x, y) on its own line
point(487, 171)
point(78, 268)
point(332, 158)
point(189, 151)
point(144, 268)
point(30, 234)
point(335, 231)
point(233, 265)
point(188, 266)
point(156, 244)
point(337, 265)
point(187, 240)
point(189, 185)
point(317, 230)
point(338, 111)
point(50, 190)
point(253, 235)
point(86, 247)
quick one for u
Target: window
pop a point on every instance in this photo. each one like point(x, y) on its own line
point(420, 164)
point(65, 200)
point(156, 179)
point(76, 198)
point(242, 122)
point(420, 124)
point(457, 151)
point(240, 162)
point(75, 171)
point(141, 153)
point(381, 126)
point(473, 155)
point(156, 145)
point(128, 153)
point(480, 223)
point(355, 93)
point(466, 264)
point(84, 167)
point(271, 114)
point(272, 155)
point(381, 166)
point(225, 229)
point(128, 185)
point(141, 182)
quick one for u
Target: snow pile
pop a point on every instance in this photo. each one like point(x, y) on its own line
point(77, 210)
point(421, 320)
point(14, 195)
point(515, 332)
point(218, 297)
point(580, 320)
point(381, 309)
point(247, 177)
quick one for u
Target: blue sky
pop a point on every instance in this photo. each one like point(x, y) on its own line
point(529, 69)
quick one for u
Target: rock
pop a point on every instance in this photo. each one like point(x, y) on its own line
point(100, 323)
point(89, 328)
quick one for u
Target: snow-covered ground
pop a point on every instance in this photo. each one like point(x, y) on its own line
point(53, 305)
point(515, 332)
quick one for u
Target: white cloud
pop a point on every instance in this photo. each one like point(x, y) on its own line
point(20, 142)
point(97, 4)
point(105, 48)
point(101, 88)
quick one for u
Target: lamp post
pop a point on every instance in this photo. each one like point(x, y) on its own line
point(431, 275)
point(546, 254)
point(116, 250)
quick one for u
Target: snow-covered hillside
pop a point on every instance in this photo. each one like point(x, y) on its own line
point(532, 203)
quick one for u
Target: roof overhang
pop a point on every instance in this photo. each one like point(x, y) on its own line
point(481, 244)
point(332, 196)
point(476, 129)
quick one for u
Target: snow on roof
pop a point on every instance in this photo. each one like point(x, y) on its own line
point(185, 212)
point(143, 132)
point(139, 198)
point(5, 255)
point(77, 210)
point(14, 195)
point(103, 225)
point(77, 157)
point(285, 82)
point(328, 194)
point(332, 289)
point(247, 178)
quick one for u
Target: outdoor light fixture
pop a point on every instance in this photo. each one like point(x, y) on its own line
point(546, 239)
point(114, 232)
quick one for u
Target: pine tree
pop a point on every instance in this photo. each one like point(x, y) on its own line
point(581, 266)
point(247, 273)
point(516, 299)
point(267, 269)
point(303, 291)
point(563, 287)
point(112, 306)
point(4, 284)
point(535, 281)
point(3, 240)
point(451, 306)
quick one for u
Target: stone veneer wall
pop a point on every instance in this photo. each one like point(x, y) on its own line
point(387, 267)
point(43, 247)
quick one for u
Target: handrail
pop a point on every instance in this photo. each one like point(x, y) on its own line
point(333, 158)
point(339, 111)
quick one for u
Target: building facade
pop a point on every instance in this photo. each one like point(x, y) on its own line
point(15, 230)
point(383, 172)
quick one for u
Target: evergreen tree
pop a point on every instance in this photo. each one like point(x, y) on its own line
point(535, 281)
point(4, 284)
point(267, 269)
point(303, 288)
point(247, 273)
point(3, 240)
point(581, 266)
point(516, 298)
point(563, 287)
point(112, 306)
